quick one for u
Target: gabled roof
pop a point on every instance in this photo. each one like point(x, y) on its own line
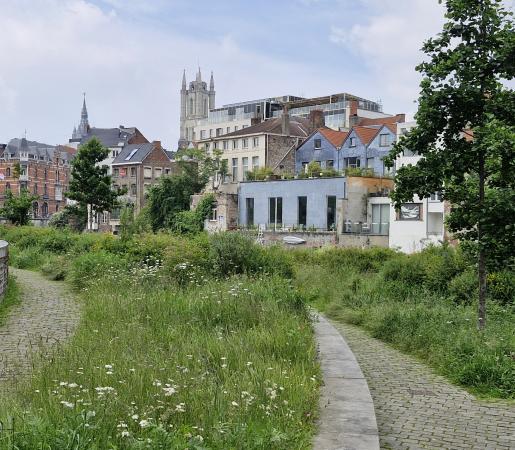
point(334, 137)
point(298, 127)
point(133, 154)
point(365, 134)
point(110, 137)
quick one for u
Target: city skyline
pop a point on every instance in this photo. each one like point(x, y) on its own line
point(129, 58)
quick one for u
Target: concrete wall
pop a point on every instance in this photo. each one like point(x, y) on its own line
point(316, 190)
point(362, 240)
point(313, 240)
point(4, 267)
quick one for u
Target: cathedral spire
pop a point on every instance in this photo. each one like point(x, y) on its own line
point(212, 83)
point(184, 80)
point(199, 76)
point(84, 123)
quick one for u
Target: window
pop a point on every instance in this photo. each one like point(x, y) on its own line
point(380, 219)
point(235, 169)
point(133, 171)
point(44, 209)
point(410, 211)
point(305, 166)
point(245, 164)
point(228, 130)
point(158, 171)
point(275, 210)
point(133, 189)
point(203, 134)
point(8, 172)
point(352, 142)
point(370, 163)
point(225, 164)
point(35, 189)
point(302, 211)
point(236, 128)
point(211, 133)
point(329, 164)
point(219, 131)
point(249, 210)
point(213, 216)
point(35, 209)
point(404, 131)
point(131, 154)
point(255, 142)
point(245, 143)
point(255, 162)
point(331, 212)
point(105, 217)
point(436, 196)
point(318, 143)
point(167, 171)
point(191, 106)
point(123, 172)
point(116, 172)
point(45, 189)
point(384, 140)
point(57, 207)
point(226, 145)
point(215, 145)
point(147, 172)
point(234, 144)
point(57, 176)
point(353, 162)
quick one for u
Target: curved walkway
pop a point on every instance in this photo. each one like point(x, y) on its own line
point(46, 316)
point(417, 409)
point(347, 419)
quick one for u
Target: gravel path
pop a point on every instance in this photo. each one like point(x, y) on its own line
point(416, 408)
point(46, 316)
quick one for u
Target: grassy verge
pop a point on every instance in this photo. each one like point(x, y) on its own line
point(178, 347)
point(11, 298)
point(424, 305)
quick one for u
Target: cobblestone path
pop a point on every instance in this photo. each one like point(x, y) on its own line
point(417, 409)
point(46, 316)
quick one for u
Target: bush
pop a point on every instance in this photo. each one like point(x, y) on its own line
point(55, 268)
point(501, 287)
point(93, 266)
point(463, 289)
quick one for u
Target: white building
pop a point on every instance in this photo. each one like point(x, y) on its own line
point(420, 222)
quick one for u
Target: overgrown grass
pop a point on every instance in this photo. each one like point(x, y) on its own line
point(180, 345)
point(416, 304)
point(11, 297)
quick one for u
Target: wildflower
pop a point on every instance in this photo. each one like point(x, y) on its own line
point(125, 433)
point(37, 391)
point(180, 407)
point(63, 383)
point(144, 423)
point(169, 391)
point(108, 366)
point(234, 404)
point(67, 404)
point(249, 364)
point(135, 417)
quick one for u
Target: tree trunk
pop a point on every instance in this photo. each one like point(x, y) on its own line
point(481, 311)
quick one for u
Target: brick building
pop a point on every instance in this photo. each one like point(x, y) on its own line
point(42, 169)
point(136, 168)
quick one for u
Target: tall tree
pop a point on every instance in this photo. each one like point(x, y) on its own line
point(17, 209)
point(90, 185)
point(465, 131)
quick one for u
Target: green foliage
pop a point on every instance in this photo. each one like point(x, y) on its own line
point(127, 222)
point(313, 169)
point(10, 298)
point(90, 184)
point(17, 209)
point(171, 196)
point(259, 174)
point(423, 304)
point(191, 222)
point(71, 216)
point(359, 172)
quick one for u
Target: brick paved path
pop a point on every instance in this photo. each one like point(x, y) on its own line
point(46, 316)
point(417, 409)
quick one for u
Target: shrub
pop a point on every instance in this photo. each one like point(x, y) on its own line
point(55, 267)
point(463, 289)
point(501, 287)
point(27, 258)
point(93, 266)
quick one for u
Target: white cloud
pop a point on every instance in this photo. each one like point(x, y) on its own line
point(388, 42)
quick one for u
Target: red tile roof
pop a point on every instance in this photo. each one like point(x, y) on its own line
point(334, 137)
point(365, 134)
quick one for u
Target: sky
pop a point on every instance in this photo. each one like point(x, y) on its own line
point(129, 55)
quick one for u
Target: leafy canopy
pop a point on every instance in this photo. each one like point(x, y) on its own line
point(17, 209)
point(465, 131)
point(90, 183)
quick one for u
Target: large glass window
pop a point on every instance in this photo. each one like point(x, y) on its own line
point(235, 144)
point(331, 212)
point(275, 208)
point(255, 142)
point(302, 211)
point(255, 162)
point(235, 169)
point(226, 145)
point(249, 204)
point(353, 162)
point(380, 219)
point(245, 166)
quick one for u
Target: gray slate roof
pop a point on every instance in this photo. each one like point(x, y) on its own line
point(142, 150)
point(298, 127)
point(109, 137)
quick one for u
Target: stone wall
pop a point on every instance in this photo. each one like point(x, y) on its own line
point(313, 240)
point(4, 267)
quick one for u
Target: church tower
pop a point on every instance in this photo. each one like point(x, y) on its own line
point(196, 101)
point(82, 130)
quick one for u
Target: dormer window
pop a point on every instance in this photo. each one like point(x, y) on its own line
point(352, 142)
point(318, 143)
point(384, 140)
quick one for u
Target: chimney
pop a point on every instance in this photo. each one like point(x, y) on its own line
point(156, 144)
point(285, 122)
point(353, 106)
point(316, 119)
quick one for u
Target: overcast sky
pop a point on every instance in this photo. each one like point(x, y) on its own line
point(128, 56)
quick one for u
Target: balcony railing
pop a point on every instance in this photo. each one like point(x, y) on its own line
point(376, 228)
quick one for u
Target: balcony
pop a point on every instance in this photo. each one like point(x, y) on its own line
point(374, 228)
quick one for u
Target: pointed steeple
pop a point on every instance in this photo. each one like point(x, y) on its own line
point(184, 80)
point(212, 83)
point(199, 76)
point(83, 128)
